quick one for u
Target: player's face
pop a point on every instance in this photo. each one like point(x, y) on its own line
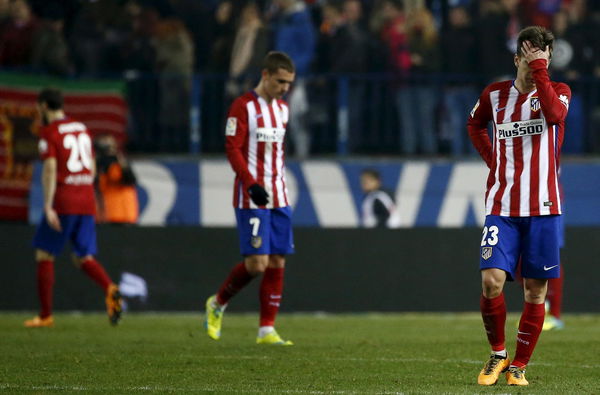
point(368, 183)
point(279, 83)
point(523, 71)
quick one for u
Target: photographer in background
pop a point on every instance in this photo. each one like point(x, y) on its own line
point(117, 199)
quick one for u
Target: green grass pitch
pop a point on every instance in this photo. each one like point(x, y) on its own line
point(334, 354)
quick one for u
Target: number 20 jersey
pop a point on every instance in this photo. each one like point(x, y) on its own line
point(70, 143)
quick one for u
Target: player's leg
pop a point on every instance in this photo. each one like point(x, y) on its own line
point(48, 243)
point(499, 257)
point(271, 287)
point(253, 231)
point(85, 249)
point(554, 296)
point(540, 261)
point(555, 291)
point(45, 286)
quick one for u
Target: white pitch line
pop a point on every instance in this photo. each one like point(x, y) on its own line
point(384, 359)
point(190, 389)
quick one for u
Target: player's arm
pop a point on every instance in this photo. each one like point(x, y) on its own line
point(554, 102)
point(382, 214)
point(236, 132)
point(477, 125)
point(49, 188)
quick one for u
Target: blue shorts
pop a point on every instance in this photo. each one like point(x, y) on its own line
point(80, 229)
point(265, 231)
point(535, 239)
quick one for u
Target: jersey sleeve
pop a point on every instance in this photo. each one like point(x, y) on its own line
point(236, 134)
point(554, 98)
point(46, 144)
point(477, 125)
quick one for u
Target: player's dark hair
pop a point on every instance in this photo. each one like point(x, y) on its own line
point(538, 36)
point(371, 173)
point(52, 97)
point(276, 60)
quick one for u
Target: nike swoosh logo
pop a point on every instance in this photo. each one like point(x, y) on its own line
point(500, 109)
point(523, 333)
point(548, 268)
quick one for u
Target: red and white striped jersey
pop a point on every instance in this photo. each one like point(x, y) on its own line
point(524, 153)
point(255, 132)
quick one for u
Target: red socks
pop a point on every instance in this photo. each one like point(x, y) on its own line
point(530, 328)
point(45, 283)
point(493, 312)
point(96, 272)
point(238, 278)
point(555, 293)
point(271, 288)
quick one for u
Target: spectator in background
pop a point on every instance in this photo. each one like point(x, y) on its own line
point(491, 32)
point(345, 47)
point(117, 199)
point(223, 37)
point(249, 49)
point(4, 12)
point(378, 207)
point(16, 35)
point(460, 63)
point(49, 50)
point(295, 35)
point(174, 63)
point(87, 40)
point(417, 98)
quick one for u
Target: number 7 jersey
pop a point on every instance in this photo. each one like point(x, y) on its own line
point(69, 142)
point(524, 153)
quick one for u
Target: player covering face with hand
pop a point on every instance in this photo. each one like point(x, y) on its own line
point(523, 197)
point(255, 132)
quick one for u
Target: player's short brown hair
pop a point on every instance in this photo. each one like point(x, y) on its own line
point(538, 36)
point(52, 97)
point(370, 172)
point(276, 60)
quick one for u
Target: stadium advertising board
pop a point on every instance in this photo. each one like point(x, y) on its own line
point(327, 193)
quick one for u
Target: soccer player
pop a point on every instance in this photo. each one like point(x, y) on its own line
point(523, 202)
point(255, 132)
point(69, 207)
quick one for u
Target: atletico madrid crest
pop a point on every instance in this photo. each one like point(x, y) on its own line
point(535, 104)
point(256, 241)
point(486, 253)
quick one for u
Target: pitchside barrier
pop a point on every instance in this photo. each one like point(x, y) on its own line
point(334, 270)
point(327, 194)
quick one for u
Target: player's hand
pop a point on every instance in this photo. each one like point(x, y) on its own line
point(531, 53)
point(259, 196)
point(52, 219)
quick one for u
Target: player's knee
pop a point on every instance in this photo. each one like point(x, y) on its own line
point(256, 264)
point(277, 261)
point(78, 261)
point(41, 255)
point(491, 287)
point(535, 291)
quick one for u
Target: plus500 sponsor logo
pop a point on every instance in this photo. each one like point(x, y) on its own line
point(520, 129)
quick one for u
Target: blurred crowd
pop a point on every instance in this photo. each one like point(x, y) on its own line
point(416, 41)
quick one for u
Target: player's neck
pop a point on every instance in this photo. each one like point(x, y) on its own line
point(523, 86)
point(260, 91)
point(55, 115)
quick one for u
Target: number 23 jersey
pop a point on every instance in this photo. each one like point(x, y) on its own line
point(69, 142)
